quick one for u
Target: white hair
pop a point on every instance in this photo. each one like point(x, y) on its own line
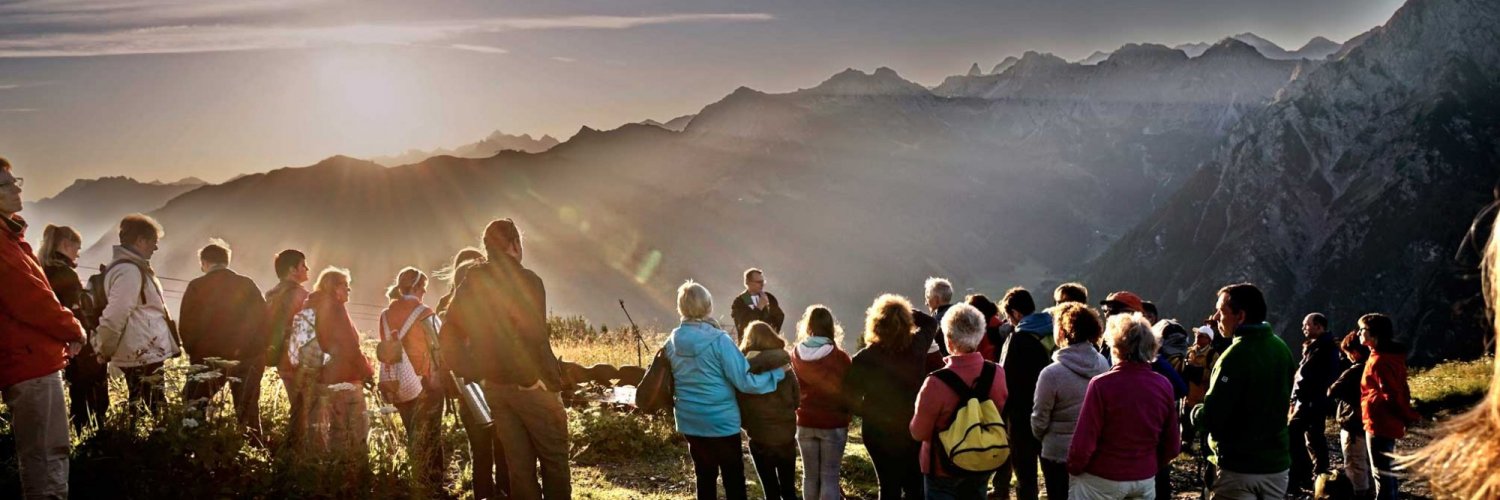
point(694, 302)
point(964, 326)
point(940, 289)
point(1131, 338)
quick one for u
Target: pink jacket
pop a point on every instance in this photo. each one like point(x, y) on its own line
point(1127, 428)
point(936, 402)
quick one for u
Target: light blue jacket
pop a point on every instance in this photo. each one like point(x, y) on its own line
point(707, 369)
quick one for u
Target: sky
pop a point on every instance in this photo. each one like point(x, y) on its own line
point(166, 89)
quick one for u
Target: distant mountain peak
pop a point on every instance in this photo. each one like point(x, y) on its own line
point(884, 81)
point(1005, 64)
point(1232, 48)
point(1136, 53)
point(975, 71)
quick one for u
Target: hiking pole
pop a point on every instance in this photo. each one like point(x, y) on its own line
point(639, 342)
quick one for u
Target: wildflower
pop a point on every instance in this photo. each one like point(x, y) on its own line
point(153, 379)
point(205, 376)
point(188, 423)
point(387, 410)
point(197, 368)
point(223, 363)
point(343, 386)
point(235, 379)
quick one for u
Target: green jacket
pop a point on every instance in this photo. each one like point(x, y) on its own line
point(1244, 411)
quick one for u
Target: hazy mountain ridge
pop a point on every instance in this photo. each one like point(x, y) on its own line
point(496, 142)
point(94, 206)
point(1348, 195)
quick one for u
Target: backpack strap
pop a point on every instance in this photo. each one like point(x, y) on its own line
point(985, 381)
point(954, 382)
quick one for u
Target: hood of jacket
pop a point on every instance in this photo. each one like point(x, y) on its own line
point(1082, 359)
point(767, 360)
point(693, 338)
point(1036, 323)
point(810, 353)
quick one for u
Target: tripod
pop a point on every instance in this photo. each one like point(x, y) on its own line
point(640, 343)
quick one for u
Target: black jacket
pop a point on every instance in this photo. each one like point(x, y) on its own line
point(222, 316)
point(743, 314)
point(882, 384)
point(1319, 366)
point(1023, 358)
point(771, 418)
point(496, 328)
point(942, 337)
point(1345, 392)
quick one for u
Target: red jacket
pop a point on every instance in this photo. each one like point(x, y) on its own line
point(222, 316)
point(1127, 428)
point(936, 402)
point(1384, 398)
point(340, 340)
point(820, 377)
point(34, 328)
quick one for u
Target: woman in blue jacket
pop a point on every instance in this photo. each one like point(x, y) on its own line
point(708, 369)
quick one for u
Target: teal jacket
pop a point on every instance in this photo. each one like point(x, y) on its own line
point(1244, 411)
point(707, 370)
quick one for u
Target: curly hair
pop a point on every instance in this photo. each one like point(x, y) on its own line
point(888, 323)
point(1077, 324)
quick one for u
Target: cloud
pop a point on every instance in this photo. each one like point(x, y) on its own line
point(479, 48)
point(564, 59)
point(190, 38)
point(18, 110)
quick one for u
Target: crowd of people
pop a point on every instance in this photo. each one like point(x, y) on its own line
point(959, 399)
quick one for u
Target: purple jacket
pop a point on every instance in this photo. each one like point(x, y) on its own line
point(1128, 428)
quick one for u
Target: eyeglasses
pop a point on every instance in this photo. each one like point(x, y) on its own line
point(17, 182)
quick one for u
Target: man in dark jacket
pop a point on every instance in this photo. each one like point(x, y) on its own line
point(756, 304)
point(496, 331)
point(1310, 403)
point(223, 317)
point(1024, 356)
point(37, 336)
point(939, 295)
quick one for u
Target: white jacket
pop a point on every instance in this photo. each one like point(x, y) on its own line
point(132, 333)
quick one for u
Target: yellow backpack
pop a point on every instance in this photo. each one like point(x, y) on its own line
point(975, 441)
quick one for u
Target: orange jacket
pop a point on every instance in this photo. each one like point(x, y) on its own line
point(35, 328)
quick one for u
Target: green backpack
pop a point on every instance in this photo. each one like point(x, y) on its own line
point(975, 440)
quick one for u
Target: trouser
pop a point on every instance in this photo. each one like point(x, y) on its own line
point(1309, 449)
point(1025, 449)
point(1383, 466)
point(1356, 461)
point(1091, 487)
point(423, 419)
point(532, 428)
point(1163, 481)
point(957, 488)
point(822, 454)
point(146, 388)
point(244, 387)
point(301, 395)
point(40, 426)
point(88, 391)
point(713, 456)
point(348, 423)
point(1056, 476)
point(1230, 485)
point(491, 476)
point(896, 457)
point(776, 465)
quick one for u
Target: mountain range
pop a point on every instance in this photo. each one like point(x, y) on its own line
point(94, 206)
point(1341, 185)
point(496, 142)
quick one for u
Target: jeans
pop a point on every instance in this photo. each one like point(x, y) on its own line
point(957, 488)
point(897, 465)
point(39, 423)
point(822, 454)
point(245, 391)
point(1025, 450)
point(533, 428)
point(1056, 476)
point(1309, 450)
point(1091, 487)
point(1383, 466)
point(423, 419)
point(88, 390)
point(1356, 461)
point(776, 465)
point(713, 456)
point(148, 393)
point(1230, 485)
point(491, 476)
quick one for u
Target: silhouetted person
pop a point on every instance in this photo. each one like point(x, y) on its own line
point(412, 381)
point(756, 304)
point(283, 302)
point(881, 387)
point(88, 379)
point(491, 476)
point(1310, 404)
point(135, 332)
point(1025, 354)
point(223, 316)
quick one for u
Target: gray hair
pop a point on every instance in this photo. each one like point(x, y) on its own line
point(964, 326)
point(694, 302)
point(939, 288)
point(1131, 338)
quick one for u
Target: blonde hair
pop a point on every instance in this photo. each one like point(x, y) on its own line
point(694, 302)
point(332, 277)
point(52, 238)
point(1463, 460)
point(1131, 338)
point(759, 336)
point(406, 281)
point(888, 323)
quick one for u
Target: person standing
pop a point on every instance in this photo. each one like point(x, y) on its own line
point(1061, 388)
point(223, 316)
point(770, 420)
point(37, 336)
point(411, 328)
point(937, 402)
point(496, 331)
point(1026, 352)
point(823, 414)
point(756, 304)
point(283, 302)
point(1309, 407)
point(1243, 409)
point(1345, 391)
point(881, 387)
point(487, 462)
point(345, 373)
point(939, 297)
point(88, 379)
point(135, 330)
point(1384, 400)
